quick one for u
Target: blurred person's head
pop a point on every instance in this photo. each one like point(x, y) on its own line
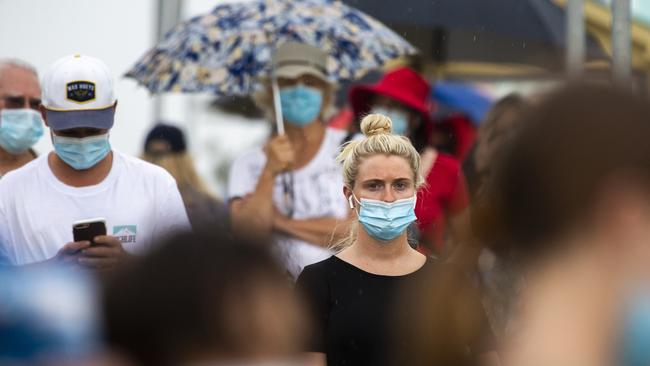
point(79, 108)
point(21, 125)
point(570, 205)
point(380, 170)
point(498, 124)
point(203, 298)
point(575, 176)
point(306, 91)
point(165, 146)
point(403, 95)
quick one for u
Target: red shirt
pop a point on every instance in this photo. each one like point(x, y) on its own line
point(445, 194)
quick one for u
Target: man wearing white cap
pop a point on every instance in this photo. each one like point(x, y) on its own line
point(83, 178)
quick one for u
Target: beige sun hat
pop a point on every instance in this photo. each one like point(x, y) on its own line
point(293, 59)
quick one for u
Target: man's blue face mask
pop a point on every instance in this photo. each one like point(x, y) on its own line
point(301, 104)
point(81, 153)
point(386, 221)
point(20, 129)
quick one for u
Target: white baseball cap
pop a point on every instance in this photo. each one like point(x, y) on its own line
point(78, 92)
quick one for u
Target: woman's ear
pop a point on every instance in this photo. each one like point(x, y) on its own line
point(348, 194)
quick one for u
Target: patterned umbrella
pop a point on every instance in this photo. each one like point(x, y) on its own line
point(226, 51)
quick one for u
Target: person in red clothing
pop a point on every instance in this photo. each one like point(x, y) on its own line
point(403, 95)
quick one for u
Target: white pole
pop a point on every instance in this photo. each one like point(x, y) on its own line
point(575, 38)
point(621, 41)
point(277, 105)
point(169, 14)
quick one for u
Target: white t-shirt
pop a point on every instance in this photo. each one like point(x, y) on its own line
point(140, 202)
point(318, 193)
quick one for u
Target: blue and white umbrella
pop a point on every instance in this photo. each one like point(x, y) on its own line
point(226, 51)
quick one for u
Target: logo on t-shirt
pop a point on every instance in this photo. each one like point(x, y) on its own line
point(125, 233)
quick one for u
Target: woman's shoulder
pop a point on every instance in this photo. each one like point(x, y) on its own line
point(321, 267)
point(316, 274)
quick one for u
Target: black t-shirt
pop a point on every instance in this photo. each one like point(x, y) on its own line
point(354, 311)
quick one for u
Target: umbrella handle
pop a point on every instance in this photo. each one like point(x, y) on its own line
point(277, 105)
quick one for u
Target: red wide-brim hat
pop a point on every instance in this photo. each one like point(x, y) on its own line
point(403, 85)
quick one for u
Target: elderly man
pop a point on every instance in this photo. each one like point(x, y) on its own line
point(135, 203)
point(21, 125)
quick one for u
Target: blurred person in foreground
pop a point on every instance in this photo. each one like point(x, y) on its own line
point(403, 95)
point(204, 299)
point(84, 178)
point(354, 295)
point(165, 146)
point(21, 125)
point(49, 316)
point(499, 280)
point(570, 204)
point(290, 188)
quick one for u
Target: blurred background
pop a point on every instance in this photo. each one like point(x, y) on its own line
point(121, 31)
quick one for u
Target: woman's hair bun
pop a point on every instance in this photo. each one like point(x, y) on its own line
point(376, 124)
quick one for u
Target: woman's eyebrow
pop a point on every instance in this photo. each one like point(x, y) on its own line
point(375, 180)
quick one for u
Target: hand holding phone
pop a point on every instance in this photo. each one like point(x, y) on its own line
point(87, 230)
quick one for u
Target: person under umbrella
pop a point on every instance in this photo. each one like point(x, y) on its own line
point(290, 187)
point(403, 95)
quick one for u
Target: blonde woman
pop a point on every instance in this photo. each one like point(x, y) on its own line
point(165, 146)
point(351, 292)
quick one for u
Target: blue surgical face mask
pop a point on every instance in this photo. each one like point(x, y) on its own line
point(81, 153)
point(397, 117)
point(20, 129)
point(386, 221)
point(636, 331)
point(301, 104)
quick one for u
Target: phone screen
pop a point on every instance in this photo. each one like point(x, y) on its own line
point(88, 230)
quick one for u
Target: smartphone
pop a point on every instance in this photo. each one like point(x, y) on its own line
point(88, 229)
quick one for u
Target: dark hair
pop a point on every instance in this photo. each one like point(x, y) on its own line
point(421, 136)
point(492, 131)
point(187, 295)
point(169, 133)
point(574, 142)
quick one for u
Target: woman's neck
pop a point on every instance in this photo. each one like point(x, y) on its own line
point(9, 162)
point(306, 134)
point(392, 258)
point(381, 250)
